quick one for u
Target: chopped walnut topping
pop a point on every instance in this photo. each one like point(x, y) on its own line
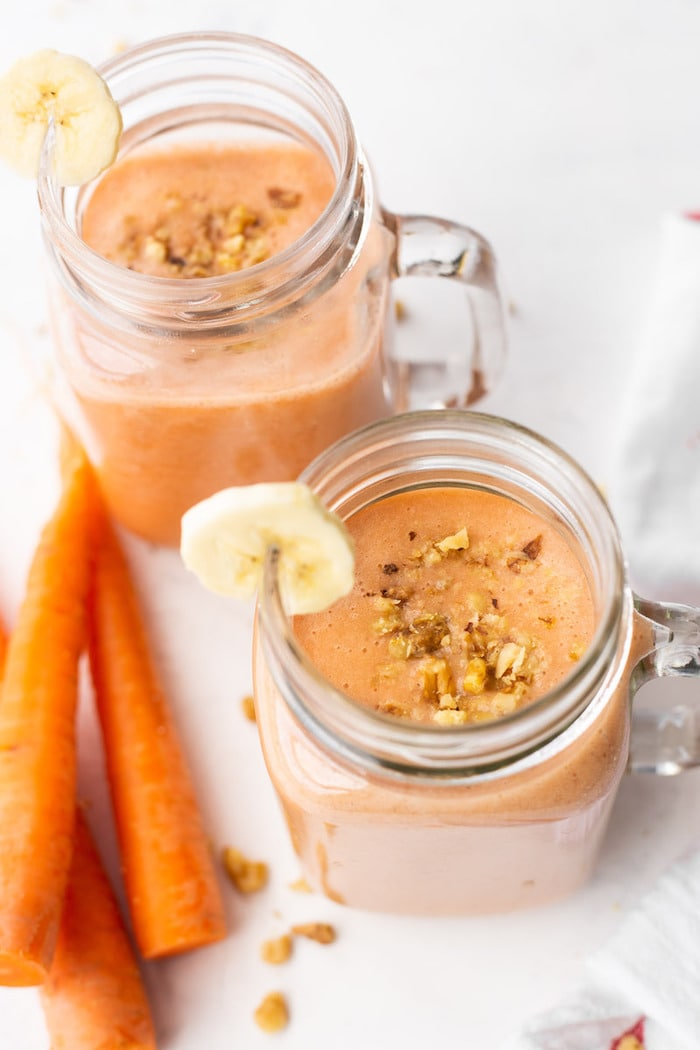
point(477, 602)
point(458, 542)
point(471, 664)
point(532, 549)
point(434, 553)
point(321, 932)
point(276, 951)
point(430, 631)
point(154, 249)
point(436, 677)
point(503, 703)
point(518, 561)
point(218, 241)
point(447, 717)
point(390, 707)
point(248, 876)
point(390, 619)
point(515, 564)
point(399, 595)
point(474, 680)
point(273, 1013)
point(285, 199)
point(248, 708)
point(401, 646)
point(510, 658)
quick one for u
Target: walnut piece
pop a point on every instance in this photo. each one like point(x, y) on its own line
point(276, 951)
point(445, 717)
point(474, 680)
point(436, 678)
point(248, 708)
point(532, 549)
point(248, 876)
point(457, 542)
point(510, 658)
point(321, 932)
point(281, 198)
point(272, 1015)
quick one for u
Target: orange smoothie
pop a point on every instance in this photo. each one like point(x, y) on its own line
point(168, 419)
point(467, 607)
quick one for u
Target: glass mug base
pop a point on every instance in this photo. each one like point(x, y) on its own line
point(398, 816)
point(182, 385)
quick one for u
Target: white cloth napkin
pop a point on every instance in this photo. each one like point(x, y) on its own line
point(643, 984)
point(654, 488)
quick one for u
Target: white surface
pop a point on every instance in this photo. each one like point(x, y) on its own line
point(655, 477)
point(648, 969)
point(562, 132)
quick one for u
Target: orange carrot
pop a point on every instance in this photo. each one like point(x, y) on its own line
point(37, 736)
point(171, 884)
point(94, 996)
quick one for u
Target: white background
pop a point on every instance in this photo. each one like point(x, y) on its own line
point(562, 131)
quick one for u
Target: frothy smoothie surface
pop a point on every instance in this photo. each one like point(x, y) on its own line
point(171, 416)
point(206, 210)
point(466, 606)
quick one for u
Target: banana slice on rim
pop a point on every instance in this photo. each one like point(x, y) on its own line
point(50, 86)
point(225, 539)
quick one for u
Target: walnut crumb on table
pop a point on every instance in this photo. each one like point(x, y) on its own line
point(248, 708)
point(248, 876)
point(272, 1015)
point(276, 951)
point(321, 932)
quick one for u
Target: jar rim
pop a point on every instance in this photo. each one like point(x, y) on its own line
point(382, 743)
point(287, 271)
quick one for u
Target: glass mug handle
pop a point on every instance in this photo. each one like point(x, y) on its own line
point(429, 247)
point(666, 739)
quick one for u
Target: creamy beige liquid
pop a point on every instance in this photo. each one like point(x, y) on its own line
point(522, 836)
point(169, 422)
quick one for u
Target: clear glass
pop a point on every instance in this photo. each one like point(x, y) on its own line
point(395, 816)
point(179, 388)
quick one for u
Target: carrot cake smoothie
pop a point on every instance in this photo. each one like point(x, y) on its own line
point(170, 417)
point(467, 607)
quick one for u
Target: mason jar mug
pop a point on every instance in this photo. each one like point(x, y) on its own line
point(405, 816)
point(182, 382)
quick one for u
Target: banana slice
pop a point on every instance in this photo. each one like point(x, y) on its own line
point(225, 539)
point(50, 86)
